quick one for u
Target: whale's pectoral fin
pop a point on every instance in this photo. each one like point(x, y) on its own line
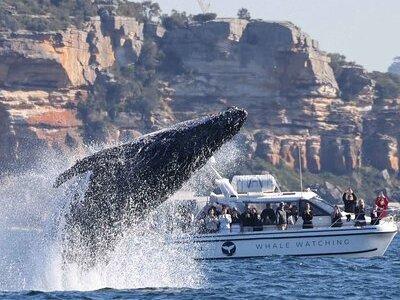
point(81, 166)
point(103, 158)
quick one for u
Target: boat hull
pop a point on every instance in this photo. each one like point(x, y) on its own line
point(369, 241)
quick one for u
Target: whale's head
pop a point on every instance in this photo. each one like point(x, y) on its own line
point(166, 159)
point(195, 141)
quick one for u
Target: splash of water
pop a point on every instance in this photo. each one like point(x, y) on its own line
point(31, 218)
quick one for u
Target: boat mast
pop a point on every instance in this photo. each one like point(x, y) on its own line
point(300, 171)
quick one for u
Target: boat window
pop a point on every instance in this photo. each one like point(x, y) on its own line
point(317, 211)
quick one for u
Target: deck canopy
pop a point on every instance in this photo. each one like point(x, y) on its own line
point(255, 184)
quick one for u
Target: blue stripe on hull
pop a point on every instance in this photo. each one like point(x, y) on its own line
point(313, 254)
point(237, 238)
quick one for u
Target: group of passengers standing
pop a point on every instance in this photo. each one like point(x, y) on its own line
point(230, 220)
point(351, 205)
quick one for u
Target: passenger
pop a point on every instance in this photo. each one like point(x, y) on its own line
point(200, 222)
point(246, 217)
point(336, 217)
point(294, 212)
point(211, 221)
point(281, 218)
point(225, 220)
point(375, 213)
point(256, 221)
point(268, 216)
point(360, 214)
point(307, 217)
point(236, 222)
point(291, 213)
point(383, 203)
point(235, 216)
point(350, 201)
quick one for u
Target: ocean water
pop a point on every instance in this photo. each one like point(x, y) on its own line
point(271, 277)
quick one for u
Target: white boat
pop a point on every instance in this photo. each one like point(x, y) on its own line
point(348, 240)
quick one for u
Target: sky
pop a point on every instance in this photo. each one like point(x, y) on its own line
point(365, 31)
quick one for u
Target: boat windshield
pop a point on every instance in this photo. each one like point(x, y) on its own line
point(322, 204)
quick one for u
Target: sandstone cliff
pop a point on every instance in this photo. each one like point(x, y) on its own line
point(273, 69)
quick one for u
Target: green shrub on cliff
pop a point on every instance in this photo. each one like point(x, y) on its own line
point(387, 84)
point(44, 15)
point(52, 15)
point(175, 20)
point(244, 14)
point(202, 18)
point(142, 11)
point(338, 61)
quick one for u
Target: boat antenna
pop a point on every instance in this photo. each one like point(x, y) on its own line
point(300, 171)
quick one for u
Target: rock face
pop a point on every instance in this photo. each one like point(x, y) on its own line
point(382, 131)
point(272, 69)
point(280, 76)
point(42, 78)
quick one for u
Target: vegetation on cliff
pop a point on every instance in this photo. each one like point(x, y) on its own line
point(244, 14)
point(44, 15)
point(53, 15)
point(387, 84)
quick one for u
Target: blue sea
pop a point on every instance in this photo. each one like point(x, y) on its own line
point(272, 277)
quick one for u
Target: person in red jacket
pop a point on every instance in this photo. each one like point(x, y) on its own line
point(382, 202)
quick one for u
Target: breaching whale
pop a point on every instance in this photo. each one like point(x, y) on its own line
point(127, 180)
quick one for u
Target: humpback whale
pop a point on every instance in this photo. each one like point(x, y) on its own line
point(130, 179)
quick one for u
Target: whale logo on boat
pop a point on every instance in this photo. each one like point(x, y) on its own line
point(228, 248)
point(129, 180)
